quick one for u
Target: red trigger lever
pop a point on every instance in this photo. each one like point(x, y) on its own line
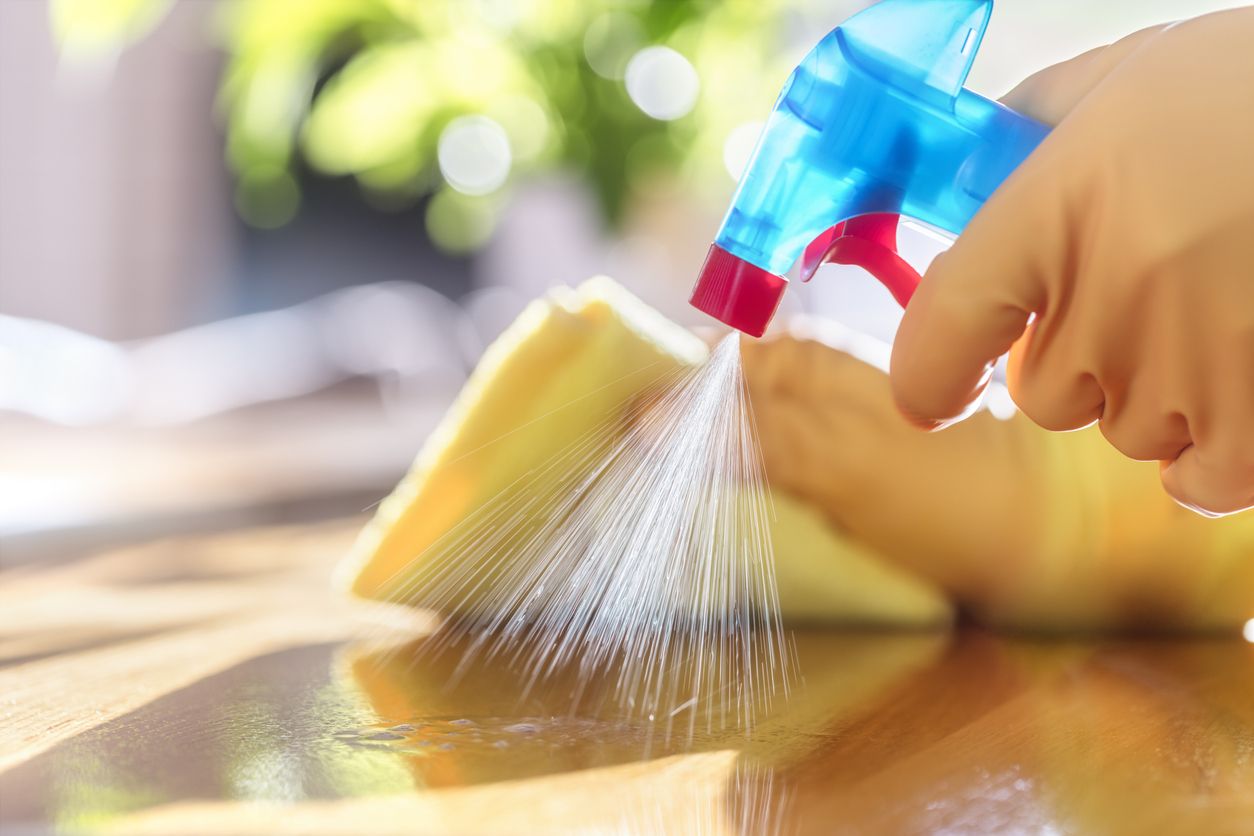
point(869, 242)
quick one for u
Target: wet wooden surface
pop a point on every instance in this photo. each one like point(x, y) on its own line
point(214, 684)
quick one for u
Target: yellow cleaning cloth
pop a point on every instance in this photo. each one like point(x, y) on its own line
point(573, 362)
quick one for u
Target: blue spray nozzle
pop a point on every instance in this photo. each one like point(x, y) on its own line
point(874, 121)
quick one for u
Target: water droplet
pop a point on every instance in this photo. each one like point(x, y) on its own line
point(404, 727)
point(523, 728)
point(385, 735)
point(462, 722)
point(445, 746)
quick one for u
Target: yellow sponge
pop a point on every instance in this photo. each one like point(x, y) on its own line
point(567, 366)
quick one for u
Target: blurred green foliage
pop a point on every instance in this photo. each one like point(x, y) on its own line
point(89, 28)
point(365, 88)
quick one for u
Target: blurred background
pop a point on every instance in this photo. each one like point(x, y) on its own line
point(249, 249)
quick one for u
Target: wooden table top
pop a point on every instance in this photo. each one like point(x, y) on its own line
point(213, 684)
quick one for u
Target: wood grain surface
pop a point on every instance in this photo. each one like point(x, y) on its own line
point(214, 684)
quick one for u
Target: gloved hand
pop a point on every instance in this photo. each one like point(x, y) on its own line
point(1118, 261)
point(1022, 527)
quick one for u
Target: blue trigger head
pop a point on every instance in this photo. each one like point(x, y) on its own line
point(875, 120)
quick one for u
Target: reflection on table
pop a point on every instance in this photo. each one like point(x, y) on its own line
point(238, 695)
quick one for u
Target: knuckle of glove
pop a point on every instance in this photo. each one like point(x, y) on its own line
point(1058, 402)
point(1211, 490)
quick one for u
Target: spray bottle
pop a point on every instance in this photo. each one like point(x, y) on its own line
point(872, 125)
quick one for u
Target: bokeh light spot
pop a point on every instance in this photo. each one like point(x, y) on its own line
point(474, 155)
point(662, 82)
point(267, 197)
point(458, 222)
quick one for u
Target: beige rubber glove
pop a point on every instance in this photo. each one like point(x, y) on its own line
point(1022, 527)
point(1119, 262)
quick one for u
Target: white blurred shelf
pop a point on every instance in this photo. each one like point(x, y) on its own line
point(326, 455)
